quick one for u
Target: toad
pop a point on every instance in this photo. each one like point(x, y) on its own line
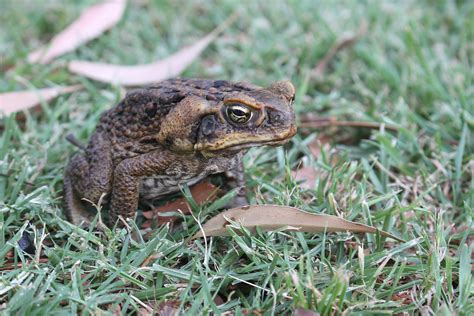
point(176, 132)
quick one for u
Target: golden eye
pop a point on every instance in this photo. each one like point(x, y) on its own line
point(238, 113)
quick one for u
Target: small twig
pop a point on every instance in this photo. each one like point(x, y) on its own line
point(73, 140)
point(343, 43)
point(326, 122)
point(19, 265)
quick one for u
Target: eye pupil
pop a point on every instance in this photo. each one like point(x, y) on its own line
point(238, 112)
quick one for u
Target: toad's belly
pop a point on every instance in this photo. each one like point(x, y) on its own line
point(161, 185)
point(184, 171)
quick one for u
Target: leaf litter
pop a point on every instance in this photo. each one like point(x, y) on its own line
point(93, 21)
point(11, 102)
point(160, 70)
point(273, 217)
point(203, 192)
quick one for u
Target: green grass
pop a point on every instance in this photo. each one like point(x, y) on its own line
point(413, 69)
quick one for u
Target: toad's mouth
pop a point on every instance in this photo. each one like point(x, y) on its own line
point(242, 142)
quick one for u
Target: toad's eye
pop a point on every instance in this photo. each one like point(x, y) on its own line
point(238, 113)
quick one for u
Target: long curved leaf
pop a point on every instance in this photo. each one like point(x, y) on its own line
point(138, 75)
point(91, 23)
point(16, 101)
point(271, 217)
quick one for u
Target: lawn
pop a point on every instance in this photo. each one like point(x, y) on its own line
point(413, 70)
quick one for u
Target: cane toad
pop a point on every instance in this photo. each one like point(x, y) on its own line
point(175, 132)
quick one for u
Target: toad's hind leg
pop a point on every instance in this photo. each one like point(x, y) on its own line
point(88, 179)
point(76, 211)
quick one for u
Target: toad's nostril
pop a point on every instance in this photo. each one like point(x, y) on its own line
point(276, 118)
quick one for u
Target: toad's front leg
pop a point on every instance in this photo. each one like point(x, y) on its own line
point(236, 180)
point(127, 175)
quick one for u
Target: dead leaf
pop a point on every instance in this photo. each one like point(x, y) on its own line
point(202, 192)
point(306, 176)
point(137, 75)
point(345, 42)
point(271, 217)
point(11, 102)
point(94, 21)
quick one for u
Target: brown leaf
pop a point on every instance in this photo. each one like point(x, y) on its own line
point(136, 75)
point(11, 102)
point(94, 21)
point(271, 217)
point(202, 192)
point(306, 176)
